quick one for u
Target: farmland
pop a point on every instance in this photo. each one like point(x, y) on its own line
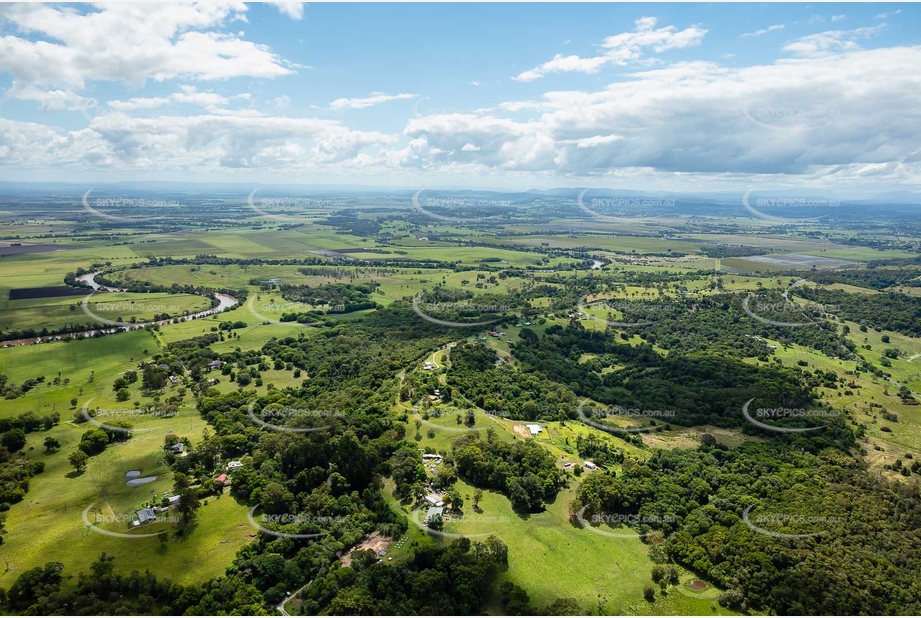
point(415, 334)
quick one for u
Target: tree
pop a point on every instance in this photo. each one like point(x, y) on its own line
point(51, 445)
point(188, 504)
point(154, 378)
point(78, 460)
point(122, 394)
point(13, 440)
point(276, 500)
point(93, 441)
point(73, 403)
point(649, 593)
point(477, 496)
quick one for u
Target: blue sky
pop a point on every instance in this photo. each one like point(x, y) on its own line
point(654, 96)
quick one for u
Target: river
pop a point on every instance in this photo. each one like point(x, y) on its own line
point(225, 302)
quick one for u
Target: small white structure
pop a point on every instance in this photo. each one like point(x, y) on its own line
point(173, 500)
point(589, 465)
point(435, 512)
point(233, 465)
point(179, 447)
point(534, 429)
point(146, 516)
point(428, 365)
point(434, 500)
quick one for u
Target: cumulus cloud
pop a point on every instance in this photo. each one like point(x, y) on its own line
point(764, 30)
point(294, 10)
point(375, 98)
point(831, 41)
point(210, 101)
point(209, 141)
point(620, 49)
point(58, 49)
point(837, 111)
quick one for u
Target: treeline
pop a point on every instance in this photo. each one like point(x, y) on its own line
point(522, 470)
point(699, 388)
point(504, 392)
point(873, 278)
point(884, 311)
point(855, 549)
point(451, 581)
point(344, 297)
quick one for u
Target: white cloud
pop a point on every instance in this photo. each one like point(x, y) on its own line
point(206, 142)
point(474, 83)
point(620, 49)
point(831, 41)
point(375, 98)
point(815, 19)
point(50, 100)
point(210, 101)
point(59, 48)
point(597, 140)
point(885, 15)
point(835, 18)
point(764, 30)
point(294, 10)
point(702, 118)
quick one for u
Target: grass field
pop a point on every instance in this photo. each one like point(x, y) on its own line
point(48, 525)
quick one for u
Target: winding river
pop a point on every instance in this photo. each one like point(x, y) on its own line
point(225, 302)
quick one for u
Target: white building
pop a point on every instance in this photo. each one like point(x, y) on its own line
point(534, 429)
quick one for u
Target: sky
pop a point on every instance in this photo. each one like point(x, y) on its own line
point(655, 97)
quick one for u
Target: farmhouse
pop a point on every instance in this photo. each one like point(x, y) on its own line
point(534, 429)
point(179, 447)
point(589, 465)
point(434, 500)
point(146, 516)
point(233, 465)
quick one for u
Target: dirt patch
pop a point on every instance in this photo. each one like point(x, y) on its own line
point(697, 585)
point(689, 437)
point(522, 431)
point(877, 459)
point(376, 542)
